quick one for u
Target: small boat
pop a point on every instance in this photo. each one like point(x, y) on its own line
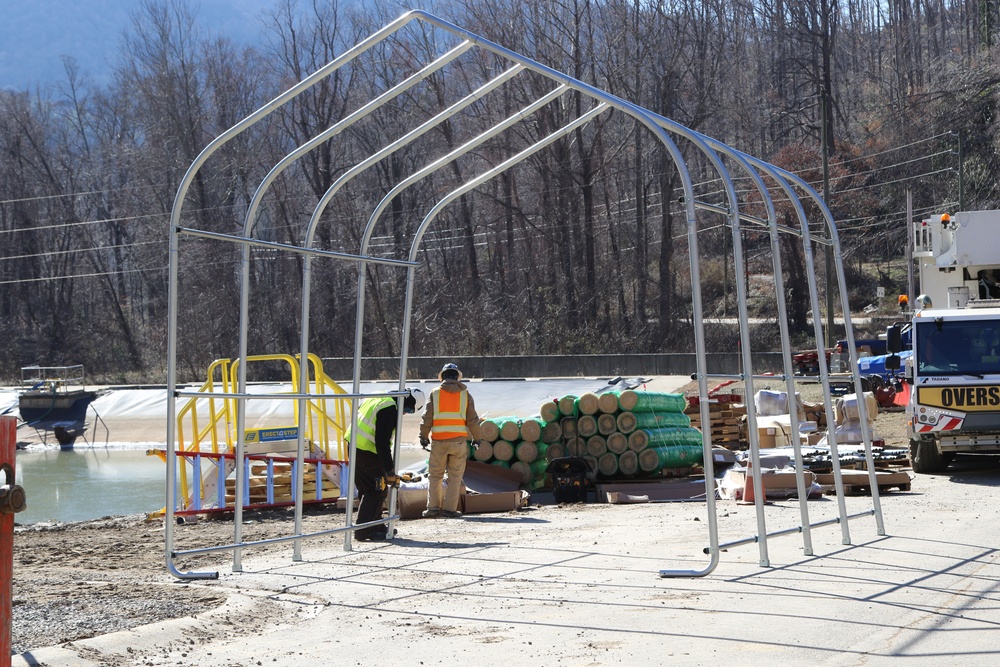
point(55, 398)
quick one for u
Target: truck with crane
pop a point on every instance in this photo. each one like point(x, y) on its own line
point(954, 371)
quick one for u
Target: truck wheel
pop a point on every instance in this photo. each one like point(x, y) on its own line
point(925, 457)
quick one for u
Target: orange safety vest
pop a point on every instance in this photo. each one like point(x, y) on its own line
point(449, 414)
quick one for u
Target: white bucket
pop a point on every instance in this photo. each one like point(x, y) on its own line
point(958, 297)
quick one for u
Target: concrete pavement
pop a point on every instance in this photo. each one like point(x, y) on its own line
point(580, 585)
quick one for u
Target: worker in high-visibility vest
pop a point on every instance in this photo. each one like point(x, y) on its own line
point(377, 417)
point(450, 422)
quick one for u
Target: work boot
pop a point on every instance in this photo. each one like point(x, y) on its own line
point(451, 514)
point(378, 536)
point(431, 513)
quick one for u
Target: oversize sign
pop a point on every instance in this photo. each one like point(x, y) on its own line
point(967, 399)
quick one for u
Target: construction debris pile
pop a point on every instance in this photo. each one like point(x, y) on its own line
point(727, 419)
point(775, 438)
point(621, 434)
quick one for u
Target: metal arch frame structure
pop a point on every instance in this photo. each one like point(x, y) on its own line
point(662, 128)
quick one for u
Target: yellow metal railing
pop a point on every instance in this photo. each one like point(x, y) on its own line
point(326, 421)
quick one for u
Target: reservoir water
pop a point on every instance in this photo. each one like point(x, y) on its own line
point(90, 483)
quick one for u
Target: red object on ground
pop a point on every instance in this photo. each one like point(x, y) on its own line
point(886, 396)
point(8, 435)
point(902, 397)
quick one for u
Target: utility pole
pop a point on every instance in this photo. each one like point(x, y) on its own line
point(828, 249)
point(961, 175)
point(911, 297)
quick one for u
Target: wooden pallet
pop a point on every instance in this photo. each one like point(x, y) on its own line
point(865, 490)
point(857, 483)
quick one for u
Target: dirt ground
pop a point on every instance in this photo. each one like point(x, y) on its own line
point(82, 580)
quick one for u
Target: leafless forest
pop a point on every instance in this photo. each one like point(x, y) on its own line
point(579, 249)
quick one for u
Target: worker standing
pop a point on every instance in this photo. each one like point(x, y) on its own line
point(449, 422)
point(373, 464)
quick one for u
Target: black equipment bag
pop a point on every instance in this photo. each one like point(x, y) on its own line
point(572, 479)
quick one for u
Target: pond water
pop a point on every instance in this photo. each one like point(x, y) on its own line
point(82, 484)
point(90, 483)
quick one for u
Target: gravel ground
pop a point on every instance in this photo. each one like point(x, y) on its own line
point(74, 581)
point(80, 580)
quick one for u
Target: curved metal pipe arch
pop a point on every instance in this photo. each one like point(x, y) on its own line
point(658, 125)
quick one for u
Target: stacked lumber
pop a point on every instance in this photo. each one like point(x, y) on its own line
point(630, 433)
point(523, 445)
point(725, 414)
point(282, 483)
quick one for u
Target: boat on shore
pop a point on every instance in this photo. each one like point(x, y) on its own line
point(56, 399)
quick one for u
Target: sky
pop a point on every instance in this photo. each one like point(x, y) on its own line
point(35, 34)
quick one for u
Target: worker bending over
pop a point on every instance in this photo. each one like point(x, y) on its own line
point(377, 417)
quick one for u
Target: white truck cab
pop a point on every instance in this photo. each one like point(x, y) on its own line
point(954, 372)
point(955, 394)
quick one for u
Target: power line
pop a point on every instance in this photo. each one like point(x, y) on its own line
point(78, 250)
point(898, 180)
point(80, 275)
point(80, 223)
point(894, 148)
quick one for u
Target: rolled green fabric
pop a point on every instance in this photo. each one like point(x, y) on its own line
point(503, 450)
point(526, 451)
point(669, 435)
point(636, 401)
point(510, 429)
point(628, 463)
point(567, 405)
point(658, 457)
point(588, 403)
point(597, 446)
point(490, 430)
point(492, 427)
point(630, 421)
point(586, 426)
point(551, 432)
point(575, 446)
point(523, 469)
point(549, 410)
point(606, 424)
point(626, 421)
point(674, 435)
point(617, 443)
point(484, 452)
point(607, 464)
point(608, 402)
point(531, 429)
point(638, 440)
